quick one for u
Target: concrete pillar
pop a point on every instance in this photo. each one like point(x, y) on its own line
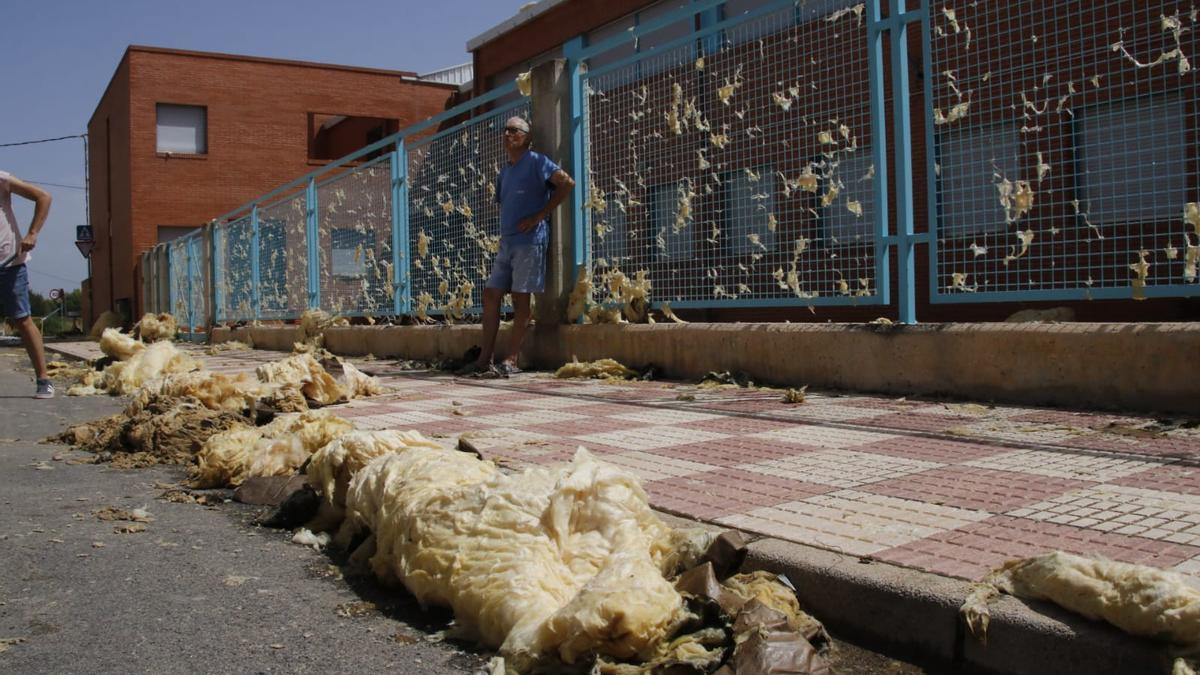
point(550, 110)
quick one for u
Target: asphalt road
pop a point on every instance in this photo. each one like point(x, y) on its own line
point(202, 589)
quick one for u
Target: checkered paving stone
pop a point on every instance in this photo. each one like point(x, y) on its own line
point(971, 550)
point(938, 450)
point(713, 494)
point(1170, 478)
point(950, 488)
point(733, 451)
point(854, 522)
point(971, 488)
point(916, 421)
point(823, 436)
point(840, 468)
point(1063, 464)
point(649, 437)
point(1121, 509)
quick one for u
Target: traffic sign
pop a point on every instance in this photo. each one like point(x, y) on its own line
point(85, 247)
point(56, 294)
point(84, 233)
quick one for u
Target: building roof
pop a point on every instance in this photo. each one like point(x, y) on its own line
point(527, 13)
point(261, 59)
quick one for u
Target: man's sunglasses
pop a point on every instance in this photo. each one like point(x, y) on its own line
point(514, 130)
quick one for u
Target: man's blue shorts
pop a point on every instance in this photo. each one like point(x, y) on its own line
point(14, 292)
point(519, 268)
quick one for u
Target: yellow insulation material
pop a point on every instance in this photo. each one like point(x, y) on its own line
point(331, 467)
point(155, 327)
point(357, 384)
point(602, 368)
point(547, 562)
point(215, 391)
point(305, 373)
point(158, 360)
point(1137, 599)
point(118, 345)
point(275, 449)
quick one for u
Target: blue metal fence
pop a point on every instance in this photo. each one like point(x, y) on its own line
point(768, 153)
point(733, 166)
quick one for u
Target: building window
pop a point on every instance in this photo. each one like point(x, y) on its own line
point(333, 136)
point(972, 162)
point(171, 232)
point(349, 251)
point(182, 129)
point(1133, 161)
point(673, 235)
point(848, 219)
point(750, 218)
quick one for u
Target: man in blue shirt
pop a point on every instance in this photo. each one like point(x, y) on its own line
point(530, 186)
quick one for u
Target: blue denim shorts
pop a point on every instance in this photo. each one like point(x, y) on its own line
point(14, 292)
point(519, 268)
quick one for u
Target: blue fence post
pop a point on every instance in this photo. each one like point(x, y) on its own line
point(190, 262)
point(255, 272)
point(215, 272)
point(314, 264)
point(579, 168)
point(879, 135)
point(902, 120)
point(400, 246)
point(931, 181)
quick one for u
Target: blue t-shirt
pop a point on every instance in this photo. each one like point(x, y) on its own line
point(523, 188)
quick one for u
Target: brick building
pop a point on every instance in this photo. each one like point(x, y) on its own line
point(180, 137)
point(1105, 136)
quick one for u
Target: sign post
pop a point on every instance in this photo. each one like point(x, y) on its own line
point(85, 240)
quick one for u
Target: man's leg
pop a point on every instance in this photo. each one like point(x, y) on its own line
point(33, 344)
point(491, 325)
point(520, 324)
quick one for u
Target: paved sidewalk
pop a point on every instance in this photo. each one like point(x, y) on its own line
point(948, 488)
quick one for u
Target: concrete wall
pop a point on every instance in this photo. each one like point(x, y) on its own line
point(1131, 367)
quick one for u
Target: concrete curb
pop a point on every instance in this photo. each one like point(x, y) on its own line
point(914, 615)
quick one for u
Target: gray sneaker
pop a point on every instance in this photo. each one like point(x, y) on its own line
point(45, 389)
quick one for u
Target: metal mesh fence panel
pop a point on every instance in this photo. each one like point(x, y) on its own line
point(199, 271)
point(355, 240)
point(283, 258)
point(453, 217)
point(237, 274)
point(1064, 158)
point(180, 292)
point(734, 167)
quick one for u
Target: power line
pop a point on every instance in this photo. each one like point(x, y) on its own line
point(52, 276)
point(42, 182)
point(42, 140)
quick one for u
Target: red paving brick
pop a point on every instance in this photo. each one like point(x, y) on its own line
point(972, 488)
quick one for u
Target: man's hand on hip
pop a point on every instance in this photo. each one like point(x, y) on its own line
point(527, 224)
point(28, 242)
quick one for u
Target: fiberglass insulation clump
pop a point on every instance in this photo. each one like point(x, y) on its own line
point(331, 468)
point(559, 563)
point(155, 327)
point(1137, 599)
point(276, 449)
point(304, 372)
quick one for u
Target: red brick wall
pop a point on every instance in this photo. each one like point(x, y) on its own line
point(108, 157)
point(257, 119)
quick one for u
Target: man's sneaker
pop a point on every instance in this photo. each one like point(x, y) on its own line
point(45, 389)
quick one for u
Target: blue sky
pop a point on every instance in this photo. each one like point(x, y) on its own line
point(61, 54)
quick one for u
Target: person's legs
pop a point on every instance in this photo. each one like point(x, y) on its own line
point(529, 276)
point(32, 338)
point(14, 302)
point(520, 324)
point(491, 325)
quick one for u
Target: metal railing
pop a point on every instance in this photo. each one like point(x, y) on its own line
point(793, 154)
